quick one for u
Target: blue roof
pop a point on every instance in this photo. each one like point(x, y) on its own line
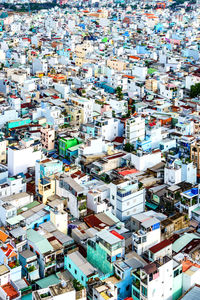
point(191, 193)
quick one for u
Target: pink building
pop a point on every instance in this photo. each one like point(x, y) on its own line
point(48, 137)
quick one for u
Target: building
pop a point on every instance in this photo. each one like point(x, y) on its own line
point(127, 198)
point(105, 247)
point(48, 138)
point(22, 157)
point(135, 129)
point(79, 268)
point(147, 232)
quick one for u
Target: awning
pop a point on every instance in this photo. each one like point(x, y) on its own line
point(151, 205)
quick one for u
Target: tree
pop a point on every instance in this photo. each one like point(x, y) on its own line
point(119, 93)
point(195, 90)
point(128, 147)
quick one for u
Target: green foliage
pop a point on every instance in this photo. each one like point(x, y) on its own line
point(195, 90)
point(140, 185)
point(77, 285)
point(119, 93)
point(82, 206)
point(128, 147)
point(31, 269)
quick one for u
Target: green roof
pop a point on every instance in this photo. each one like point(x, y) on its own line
point(40, 242)
point(74, 148)
point(183, 241)
point(15, 220)
point(28, 206)
point(151, 70)
point(27, 297)
point(151, 205)
point(104, 40)
point(47, 281)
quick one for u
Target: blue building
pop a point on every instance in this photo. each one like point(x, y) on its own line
point(79, 268)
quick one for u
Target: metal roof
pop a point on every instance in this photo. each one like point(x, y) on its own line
point(193, 294)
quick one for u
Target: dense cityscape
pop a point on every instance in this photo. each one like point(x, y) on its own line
point(100, 150)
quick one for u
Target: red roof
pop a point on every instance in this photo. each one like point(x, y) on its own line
point(93, 221)
point(119, 139)
point(127, 172)
point(9, 252)
point(160, 246)
point(10, 291)
point(117, 234)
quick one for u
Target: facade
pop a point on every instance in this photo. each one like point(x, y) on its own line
point(127, 198)
point(21, 158)
point(106, 247)
point(79, 268)
point(48, 138)
point(135, 129)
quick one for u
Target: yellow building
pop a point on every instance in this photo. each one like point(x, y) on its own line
point(46, 188)
point(60, 220)
point(116, 64)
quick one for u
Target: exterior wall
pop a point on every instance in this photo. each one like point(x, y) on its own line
point(3, 151)
point(135, 129)
point(172, 176)
point(116, 65)
point(143, 162)
point(16, 273)
point(75, 271)
point(98, 258)
point(20, 160)
point(190, 279)
point(165, 275)
point(60, 220)
point(48, 138)
point(177, 283)
point(152, 238)
point(130, 205)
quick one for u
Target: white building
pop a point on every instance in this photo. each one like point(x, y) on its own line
point(13, 185)
point(178, 171)
point(126, 198)
point(2, 150)
point(154, 132)
point(147, 232)
point(108, 128)
point(141, 161)
point(135, 129)
point(190, 278)
point(20, 158)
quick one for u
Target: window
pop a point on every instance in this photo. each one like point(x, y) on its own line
point(75, 271)
point(176, 272)
point(70, 266)
point(82, 278)
point(144, 291)
point(136, 294)
point(128, 287)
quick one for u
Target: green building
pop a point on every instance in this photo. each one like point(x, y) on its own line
point(65, 144)
point(177, 280)
point(105, 249)
point(18, 123)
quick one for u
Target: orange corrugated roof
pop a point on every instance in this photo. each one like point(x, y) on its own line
point(128, 76)
point(187, 264)
point(9, 247)
point(3, 236)
point(134, 57)
point(9, 290)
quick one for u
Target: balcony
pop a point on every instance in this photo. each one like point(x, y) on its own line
point(14, 264)
point(50, 264)
point(136, 284)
